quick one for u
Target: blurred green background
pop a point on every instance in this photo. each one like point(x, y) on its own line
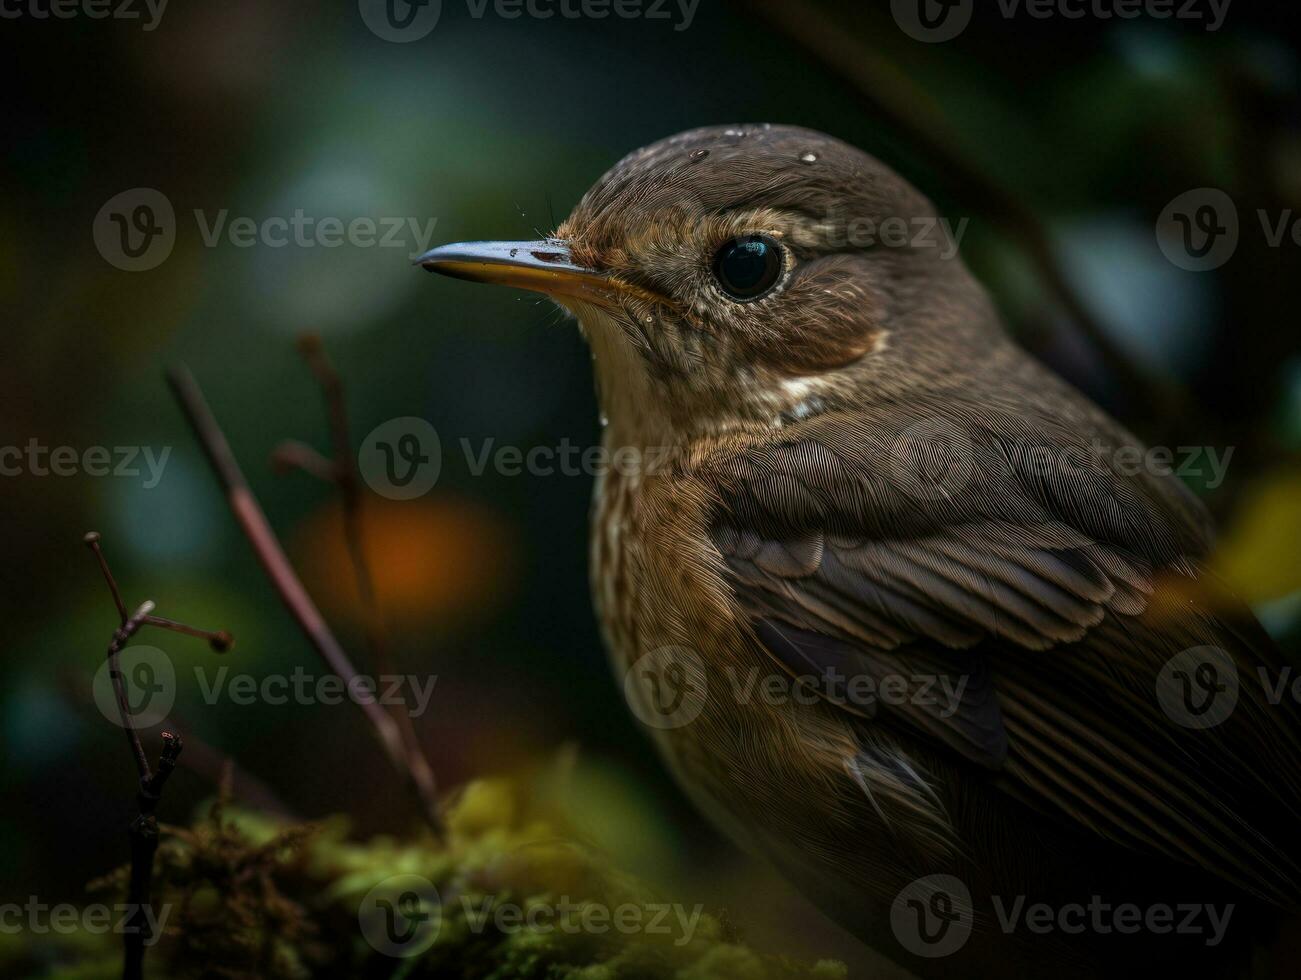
point(492, 127)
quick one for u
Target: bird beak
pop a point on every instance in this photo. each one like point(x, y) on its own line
point(545, 267)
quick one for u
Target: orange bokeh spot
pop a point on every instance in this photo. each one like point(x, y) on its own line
point(431, 559)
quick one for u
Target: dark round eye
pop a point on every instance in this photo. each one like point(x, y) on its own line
point(749, 266)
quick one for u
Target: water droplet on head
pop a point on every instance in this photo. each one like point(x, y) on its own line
point(733, 132)
point(699, 154)
point(809, 157)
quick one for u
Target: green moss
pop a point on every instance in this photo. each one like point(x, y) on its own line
point(507, 896)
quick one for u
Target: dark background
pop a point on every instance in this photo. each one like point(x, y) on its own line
point(494, 127)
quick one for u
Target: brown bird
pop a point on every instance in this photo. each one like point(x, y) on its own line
point(905, 611)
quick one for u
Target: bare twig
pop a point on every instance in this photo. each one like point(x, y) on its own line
point(121, 637)
point(407, 760)
point(294, 455)
point(341, 470)
point(219, 640)
point(144, 844)
point(143, 831)
point(92, 541)
point(888, 94)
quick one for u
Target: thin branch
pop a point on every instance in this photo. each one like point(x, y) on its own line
point(219, 640)
point(121, 637)
point(407, 760)
point(888, 94)
point(344, 474)
point(143, 834)
point(348, 480)
point(294, 455)
point(92, 541)
point(143, 831)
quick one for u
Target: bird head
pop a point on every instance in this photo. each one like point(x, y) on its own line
point(742, 276)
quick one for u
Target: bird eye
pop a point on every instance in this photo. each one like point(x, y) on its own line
point(748, 267)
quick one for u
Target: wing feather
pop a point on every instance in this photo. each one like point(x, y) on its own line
point(1050, 598)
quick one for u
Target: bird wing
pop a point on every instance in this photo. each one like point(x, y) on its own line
point(1007, 562)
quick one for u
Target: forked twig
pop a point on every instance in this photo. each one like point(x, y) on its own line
point(143, 831)
point(341, 471)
